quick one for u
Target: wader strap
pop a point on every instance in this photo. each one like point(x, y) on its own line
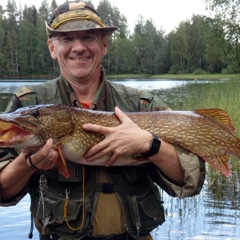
point(49, 237)
point(104, 188)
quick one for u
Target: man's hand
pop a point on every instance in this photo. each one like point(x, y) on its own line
point(127, 139)
point(45, 158)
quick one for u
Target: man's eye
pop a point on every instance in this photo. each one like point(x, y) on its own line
point(67, 39)
point(88, 38)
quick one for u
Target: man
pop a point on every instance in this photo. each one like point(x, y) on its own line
point(95, 202)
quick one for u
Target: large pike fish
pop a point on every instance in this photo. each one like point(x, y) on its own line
point(208, 133)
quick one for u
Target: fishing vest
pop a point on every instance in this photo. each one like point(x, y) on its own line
point(66, 206)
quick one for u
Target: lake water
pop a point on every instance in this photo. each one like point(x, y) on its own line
point(163, 85)
point(7, 86)
point(207, 216)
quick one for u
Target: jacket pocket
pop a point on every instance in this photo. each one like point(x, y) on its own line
point(148, 211)
point(60, 214)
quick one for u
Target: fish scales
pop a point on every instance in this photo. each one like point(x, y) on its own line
point(208, 133)
point(188, 131)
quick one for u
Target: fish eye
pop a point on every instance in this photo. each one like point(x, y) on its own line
point(36, 114)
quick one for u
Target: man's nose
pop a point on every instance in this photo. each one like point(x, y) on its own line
point(78, 44)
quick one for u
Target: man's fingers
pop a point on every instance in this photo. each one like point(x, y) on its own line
point(121, 115)
point(94, 128)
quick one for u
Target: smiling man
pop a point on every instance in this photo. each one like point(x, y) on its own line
point(95, 203)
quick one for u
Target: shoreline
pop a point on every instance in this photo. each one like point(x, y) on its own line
point(136, 76)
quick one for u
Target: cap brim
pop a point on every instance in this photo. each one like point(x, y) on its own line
point(83, 25)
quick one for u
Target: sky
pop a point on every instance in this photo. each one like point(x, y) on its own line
point(165, 14)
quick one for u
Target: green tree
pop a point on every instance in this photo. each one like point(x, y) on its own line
point(196, 43)
point(111, 16)
point(44, 63)
point(11, 48)
point(148, 43)
point(124, 57)
point(201, 43)
point(2, 42)
point(228, 11)
point(179, 49)
point(138, 42)
point(215, 53)
point(161, 60)
point(27, 40)
point(150, 40)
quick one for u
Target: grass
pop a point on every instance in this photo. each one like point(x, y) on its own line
point(224, 95)
point(197, 76)
point(174, 76)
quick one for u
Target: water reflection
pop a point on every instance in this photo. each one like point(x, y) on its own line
point(159, 83)
point(199, 217)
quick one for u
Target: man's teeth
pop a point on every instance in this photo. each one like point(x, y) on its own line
point(80, 59)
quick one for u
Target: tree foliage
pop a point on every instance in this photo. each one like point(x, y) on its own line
point(228, 13)
point(200, 44)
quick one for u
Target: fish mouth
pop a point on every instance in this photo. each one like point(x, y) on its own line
point(13, 135)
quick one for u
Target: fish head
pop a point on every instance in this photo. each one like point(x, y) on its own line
point(32, 126)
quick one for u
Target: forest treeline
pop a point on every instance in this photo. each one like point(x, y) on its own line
point(198, 45)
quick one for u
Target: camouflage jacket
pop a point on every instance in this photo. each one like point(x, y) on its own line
point(109, 95)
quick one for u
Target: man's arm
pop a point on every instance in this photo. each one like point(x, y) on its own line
point(15, 176)
point(128, 139)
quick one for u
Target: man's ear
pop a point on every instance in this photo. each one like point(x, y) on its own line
point(51, 48)
point(105, 45)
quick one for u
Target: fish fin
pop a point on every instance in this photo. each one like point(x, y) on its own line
point(62, 166)
point(220, 116)
point(220, 163)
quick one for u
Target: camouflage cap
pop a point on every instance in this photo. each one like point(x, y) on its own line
point(76, 16)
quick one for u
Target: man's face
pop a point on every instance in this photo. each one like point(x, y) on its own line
point(79, 54)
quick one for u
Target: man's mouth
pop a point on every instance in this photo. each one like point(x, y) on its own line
point(80, 59)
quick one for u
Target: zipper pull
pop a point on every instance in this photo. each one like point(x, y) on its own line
point(65, 213)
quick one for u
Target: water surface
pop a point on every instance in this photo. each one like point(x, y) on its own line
point(197, 218)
